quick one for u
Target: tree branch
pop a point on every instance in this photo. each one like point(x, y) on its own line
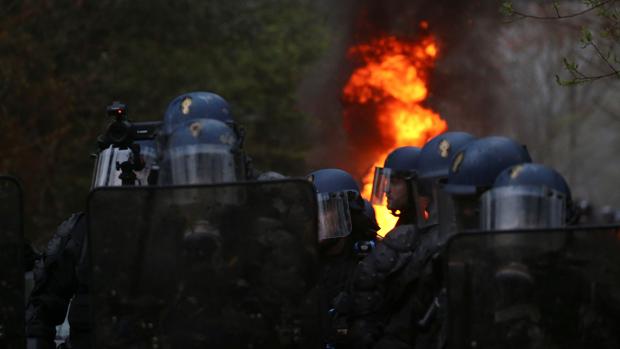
point(605, 59)
point(580, 78)
point(522, 15)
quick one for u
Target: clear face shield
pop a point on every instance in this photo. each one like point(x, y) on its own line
point(200, 164)
point(107, 171)
point(395, 190)
point(334, 215)
point(522, 207)
point(380, 185)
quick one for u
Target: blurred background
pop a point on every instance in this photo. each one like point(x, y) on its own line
point(288, 66)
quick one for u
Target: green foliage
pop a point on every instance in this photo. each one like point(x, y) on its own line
point(506, 9)
point(603, 42)
point(63, 61)
point(586, 36)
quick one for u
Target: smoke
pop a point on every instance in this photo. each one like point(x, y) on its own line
point(491, 77)
point(461, 71)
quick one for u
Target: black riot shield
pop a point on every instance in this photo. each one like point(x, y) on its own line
point(11, 265)
point(534, 289)
point(217, 266)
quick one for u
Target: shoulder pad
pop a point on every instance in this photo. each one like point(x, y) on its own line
point(66, 227)
point(402, 238)
point(385, 258)
point(60, 238)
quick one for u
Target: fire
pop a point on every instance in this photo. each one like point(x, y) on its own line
point(393, 79)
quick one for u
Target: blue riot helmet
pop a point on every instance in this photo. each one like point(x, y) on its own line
point(202, 151)
point(474, 168)
point(436, 155)
point(526, 196)
point(193, 106)
point(396, 181)
point(433, 166)
point(531, 174)
point(337, 194)
point(472, 171)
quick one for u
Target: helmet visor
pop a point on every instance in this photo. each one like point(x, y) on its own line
point(334, 215)
point(107, 172)
point(522, 207)
point(380, 185)
point(199, 164)
point(399, 190)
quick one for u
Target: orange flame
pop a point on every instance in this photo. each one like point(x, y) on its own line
point(394, 78)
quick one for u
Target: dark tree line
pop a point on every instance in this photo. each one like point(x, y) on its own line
point(62, 62)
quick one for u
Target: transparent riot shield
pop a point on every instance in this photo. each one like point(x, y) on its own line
point(534, 289)
point(11, 265)
point(217, 266)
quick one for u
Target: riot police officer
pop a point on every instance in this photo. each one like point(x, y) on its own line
point(341, 208)
point(202, 151)
point(472, 172)
point(394, 182)
point(527, 196)
point(190, 107)
point(347, 233)
point(361, 310)
point(413, 320)
point(62, 276)
point(405, 308)
point(530, 196)
point(433, 167)
point(193, 106)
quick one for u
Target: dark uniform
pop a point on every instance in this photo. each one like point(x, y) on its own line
point(347, 233)
point(471, 168)
point(547, 288)
point(378, 305)
point(398, 300)
point(540, 288)
point(336, 270)
point(368, 312)
point(61, 277)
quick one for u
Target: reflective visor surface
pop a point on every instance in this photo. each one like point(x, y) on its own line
point(522, 207)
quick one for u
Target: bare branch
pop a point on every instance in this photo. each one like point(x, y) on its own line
point(522, 15)
point(605, 59)
point(583, 78)
point(556, 8)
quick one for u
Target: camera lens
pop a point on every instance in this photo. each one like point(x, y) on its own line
point(119, 132)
